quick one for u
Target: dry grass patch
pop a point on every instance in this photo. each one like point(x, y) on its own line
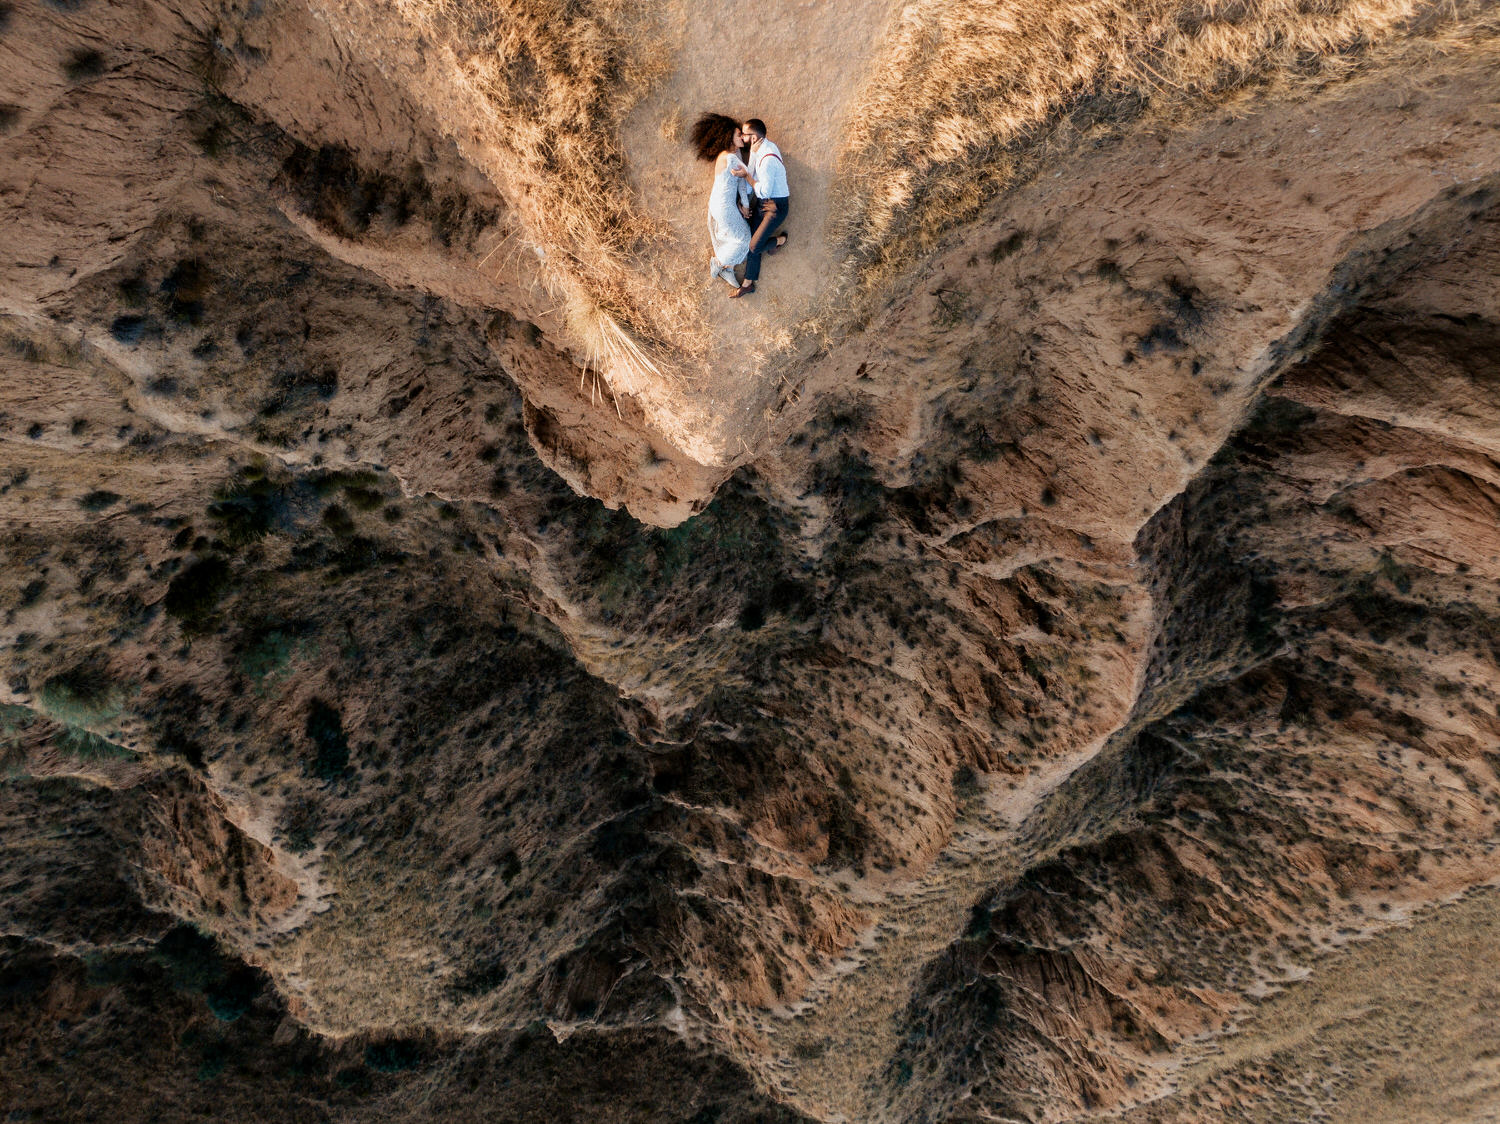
point(965, 92)
point(556, 79)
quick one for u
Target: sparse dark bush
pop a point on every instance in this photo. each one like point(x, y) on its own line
point(481, 978)
point(266, 653)
point(1007, 246)
point(325, 729)
point(83, 64)
point(301, 820)
point(363, 499)
point(1161, 336)
point(133, 291)
point(337, 520)
point(794, 598)
point(395, 1056)
point(296, 387)
point(186, 287)
point(230, 996)
point(191, 958)
point(194, 594)
point(134, 329)
point(247, 508)
point(98, 500)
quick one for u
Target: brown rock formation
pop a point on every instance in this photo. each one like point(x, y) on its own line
point(453, 669)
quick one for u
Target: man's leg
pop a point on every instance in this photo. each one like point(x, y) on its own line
point(773, 216)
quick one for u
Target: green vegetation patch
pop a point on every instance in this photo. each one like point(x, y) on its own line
point(81, 696)
point(14, 718)
point(89, 746)
point(265, 659)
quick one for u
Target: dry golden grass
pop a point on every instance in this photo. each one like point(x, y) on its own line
point(557, 79)
point(963, 98)
point(1399, 1029)
point(965, 91)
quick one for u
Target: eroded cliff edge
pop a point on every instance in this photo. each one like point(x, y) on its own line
point(1097, 630)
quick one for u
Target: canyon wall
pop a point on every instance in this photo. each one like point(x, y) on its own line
point(458, 666)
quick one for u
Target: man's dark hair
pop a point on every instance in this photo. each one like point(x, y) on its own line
point(757, 126)
point(712, 134)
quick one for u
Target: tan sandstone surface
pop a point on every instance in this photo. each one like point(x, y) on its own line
point(1034, 661)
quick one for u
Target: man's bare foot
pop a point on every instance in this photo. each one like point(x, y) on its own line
point(780, 242)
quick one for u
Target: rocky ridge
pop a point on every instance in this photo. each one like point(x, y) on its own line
point(1094, 638)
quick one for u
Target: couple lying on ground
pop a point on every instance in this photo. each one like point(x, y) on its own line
point(749, 200)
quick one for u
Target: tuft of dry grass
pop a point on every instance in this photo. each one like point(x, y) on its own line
point(964, 90)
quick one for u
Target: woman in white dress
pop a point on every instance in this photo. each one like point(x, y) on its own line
point(717, 138)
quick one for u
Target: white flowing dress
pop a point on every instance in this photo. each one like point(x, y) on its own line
point(727, 229)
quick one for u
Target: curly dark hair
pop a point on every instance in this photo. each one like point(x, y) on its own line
point(712, 134)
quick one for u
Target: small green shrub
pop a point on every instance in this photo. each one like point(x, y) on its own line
point(267, 656)
point(14, 718)
point(89, 746)
point(82, 696)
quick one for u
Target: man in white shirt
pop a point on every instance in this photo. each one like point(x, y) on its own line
point(770, 200)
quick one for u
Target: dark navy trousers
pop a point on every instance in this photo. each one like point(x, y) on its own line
point(771, 214)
